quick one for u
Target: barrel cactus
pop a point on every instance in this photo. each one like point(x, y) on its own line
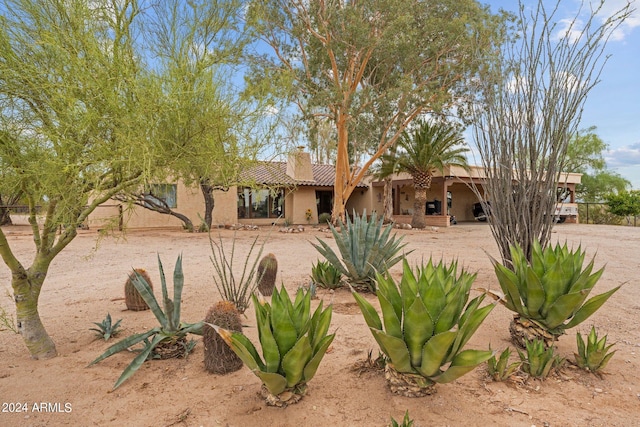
point(218, 356)
point(132, 297)
point(267, 270)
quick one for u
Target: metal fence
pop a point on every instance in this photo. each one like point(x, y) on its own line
point(598, 213)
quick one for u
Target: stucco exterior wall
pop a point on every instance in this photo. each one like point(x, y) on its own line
point(303, 198)
point(299, 199)
point(406, 199)
point(225, 210)
point(189, 202)
point(360, 201)
point(462, 202)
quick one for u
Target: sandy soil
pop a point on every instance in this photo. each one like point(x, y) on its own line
point(86, 280)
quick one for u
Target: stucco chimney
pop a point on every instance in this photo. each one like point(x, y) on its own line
point(299, 165)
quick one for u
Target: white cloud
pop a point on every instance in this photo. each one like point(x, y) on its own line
point(569, 28)
point(612, 7)
point(623, 156)
point(572, 27)
point(271, 110)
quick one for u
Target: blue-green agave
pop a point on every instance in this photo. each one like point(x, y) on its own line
point(171, 330)
point(365, 246)
point(293, 341)
point(427, 319)
point(548, 294)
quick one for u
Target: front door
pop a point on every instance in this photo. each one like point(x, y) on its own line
point(324, 201)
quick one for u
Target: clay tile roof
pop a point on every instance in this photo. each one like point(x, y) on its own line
point(274, 173)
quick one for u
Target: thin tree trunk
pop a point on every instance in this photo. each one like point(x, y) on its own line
point(343, 171)
point(188, 225)
point(419, 205)
point(5, 217)
point(26, 286)
point(388, 200)
point(209, 204)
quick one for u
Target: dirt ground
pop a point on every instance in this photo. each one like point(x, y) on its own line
point(86, 282)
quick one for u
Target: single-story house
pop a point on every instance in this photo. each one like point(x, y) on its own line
point(451, 195)
point(297, 191)
point(282, 192)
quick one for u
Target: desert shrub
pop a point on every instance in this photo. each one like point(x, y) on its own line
point(324, 218)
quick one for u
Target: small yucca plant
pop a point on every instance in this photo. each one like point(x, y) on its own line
point(106, 329)
point(592, 355)
point(548, 294)
point(238, 290)
point(499, 368)
point(365, 248)
point(427, 319)
point(325, 275)
point(293, 344)
point(539, 359)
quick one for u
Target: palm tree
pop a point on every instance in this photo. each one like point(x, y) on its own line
point(431, 147)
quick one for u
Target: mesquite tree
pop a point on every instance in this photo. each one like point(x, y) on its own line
point(202, 125)
point(531, 106)
point(86, 114)
point(74, 128)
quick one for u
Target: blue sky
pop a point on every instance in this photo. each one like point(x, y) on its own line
point(613, 105)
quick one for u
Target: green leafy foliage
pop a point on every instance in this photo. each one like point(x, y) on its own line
point(500, 369)
point(539, 359)
point(406, 421)
point(624, 203)
point(7, 321)
point(390, 61)
point(427, 319)
point(324, 218)
point(365, 248)
point(552, 289)
point(106, 329)
point(325, 275)
point(592, 355)
point(171, 330)
point(293, 341)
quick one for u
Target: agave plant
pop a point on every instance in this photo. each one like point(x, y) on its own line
point(406, 421)
point(592, 355)
point(365, 248)
point(499, 368)
point(293, 344)
point(427, 319)
point(539, 359)
point(106, 329)
point(325, 275)
point(548, 294)
point(164, 341)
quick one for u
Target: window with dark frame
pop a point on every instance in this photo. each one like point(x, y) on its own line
point(254, 203)
point(163, 194)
